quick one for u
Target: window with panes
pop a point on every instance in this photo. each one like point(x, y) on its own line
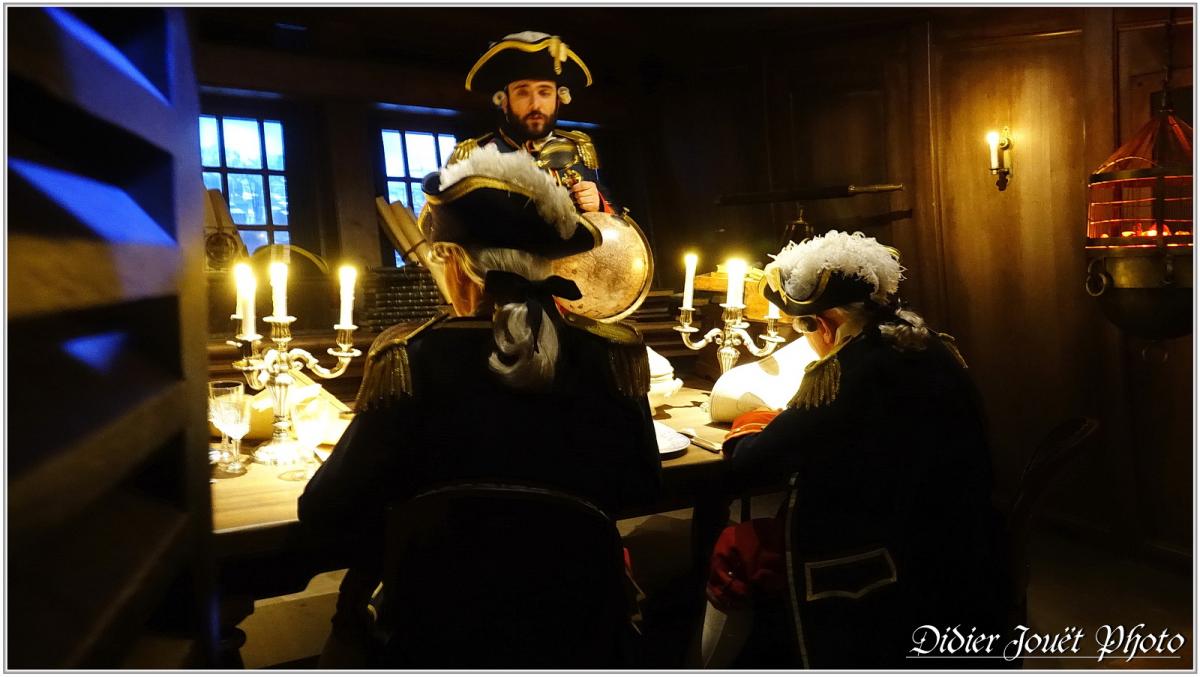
point(245, 158)
point(409, 154)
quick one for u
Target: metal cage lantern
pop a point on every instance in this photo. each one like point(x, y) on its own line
point(1139, 230)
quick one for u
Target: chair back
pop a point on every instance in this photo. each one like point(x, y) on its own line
point(1058, 448)
point(486, 575)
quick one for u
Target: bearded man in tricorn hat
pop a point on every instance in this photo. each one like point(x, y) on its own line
point(530, 76)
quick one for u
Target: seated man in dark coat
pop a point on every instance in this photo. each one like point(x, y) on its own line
point(511, 389)
point(890, 525)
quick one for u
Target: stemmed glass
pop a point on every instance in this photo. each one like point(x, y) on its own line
point(221, 454)
point(230, 411)
point(310, 423)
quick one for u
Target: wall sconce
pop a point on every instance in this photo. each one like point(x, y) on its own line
point(1000, 156)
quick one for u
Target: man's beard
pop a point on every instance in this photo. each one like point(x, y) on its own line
point(520, 130)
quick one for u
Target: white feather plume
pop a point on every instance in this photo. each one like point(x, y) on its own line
point(518, 169)
point(527, 36)
point(801, 264)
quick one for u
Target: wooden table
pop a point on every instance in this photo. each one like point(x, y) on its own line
point(255, 514)
point(260, 552)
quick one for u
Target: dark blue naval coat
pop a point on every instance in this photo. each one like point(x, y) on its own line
point(588, 168)
point(891, 524)
point(432, 412)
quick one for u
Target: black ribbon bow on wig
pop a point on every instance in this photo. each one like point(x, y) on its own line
point(505, 287)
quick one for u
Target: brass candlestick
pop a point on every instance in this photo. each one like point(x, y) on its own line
point(272, 369)
point(729, 336)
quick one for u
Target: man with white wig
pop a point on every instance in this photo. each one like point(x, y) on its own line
point(889, 524)
point(509, 389)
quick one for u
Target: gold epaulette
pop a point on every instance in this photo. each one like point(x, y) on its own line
point(822, 381)
point(465, 148)
point(387, 376)
point(820, 385)
point(627, 360)
point(952, 348)
point(583, 142)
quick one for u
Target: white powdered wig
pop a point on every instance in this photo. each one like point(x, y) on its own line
point(527, 36)
point(518, 168)
point(801, 264)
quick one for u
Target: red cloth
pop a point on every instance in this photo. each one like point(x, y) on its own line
point(747, 562)
point(749, 423)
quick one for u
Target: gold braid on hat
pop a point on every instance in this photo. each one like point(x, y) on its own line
point(559, 51)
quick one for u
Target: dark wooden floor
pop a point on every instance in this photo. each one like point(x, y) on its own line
point(1073, 583)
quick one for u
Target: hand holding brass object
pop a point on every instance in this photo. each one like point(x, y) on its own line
point(615, 277)
point(560, 156)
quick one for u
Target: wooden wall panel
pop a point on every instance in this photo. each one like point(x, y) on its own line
point(844, 118)
point(707, 139)
point(1158, 398)
point(1013, 259)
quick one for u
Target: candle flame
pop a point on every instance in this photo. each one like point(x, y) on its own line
point(993, 138)
point(347, 274)
point(242, 273)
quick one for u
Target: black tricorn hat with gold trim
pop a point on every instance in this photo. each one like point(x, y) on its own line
point(832, 270)
point(834, 289)
point(527, 56)
point(493, 199)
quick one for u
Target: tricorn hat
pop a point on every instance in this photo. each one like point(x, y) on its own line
point(527, 56)
point(832, 270)
point(502, 200)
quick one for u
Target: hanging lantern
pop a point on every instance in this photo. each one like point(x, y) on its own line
point(1139, 231)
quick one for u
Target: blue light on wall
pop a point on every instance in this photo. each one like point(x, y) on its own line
point(97, 350)
point(103, 48)
point(105, 209)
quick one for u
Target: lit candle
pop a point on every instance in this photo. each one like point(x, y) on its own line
point(279, 275)
point(250, 287)
point(993, 142)
point(689, 279)
point(238, 273)
point(243, 277)
point(347, 274)
point(772, 311)
point(736, 269)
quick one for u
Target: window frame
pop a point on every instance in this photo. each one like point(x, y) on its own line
point(305, 222)
point(459, 125)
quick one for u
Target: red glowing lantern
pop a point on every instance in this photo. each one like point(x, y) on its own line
point(1139, 231)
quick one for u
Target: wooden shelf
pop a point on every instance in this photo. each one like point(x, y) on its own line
point(97, 579)
point(59, 487)
point(55, 275)
point(108, 505)
point(107, 91)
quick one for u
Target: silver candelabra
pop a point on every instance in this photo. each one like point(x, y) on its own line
point(273, 369)
point(729, 336)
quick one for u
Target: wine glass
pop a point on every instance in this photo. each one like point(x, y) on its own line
point(231, 414)
point(216, 389)
point(310, 423)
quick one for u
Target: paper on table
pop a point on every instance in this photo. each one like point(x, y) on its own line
point(770, 382)
point(669, 441)
point(262, 410)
